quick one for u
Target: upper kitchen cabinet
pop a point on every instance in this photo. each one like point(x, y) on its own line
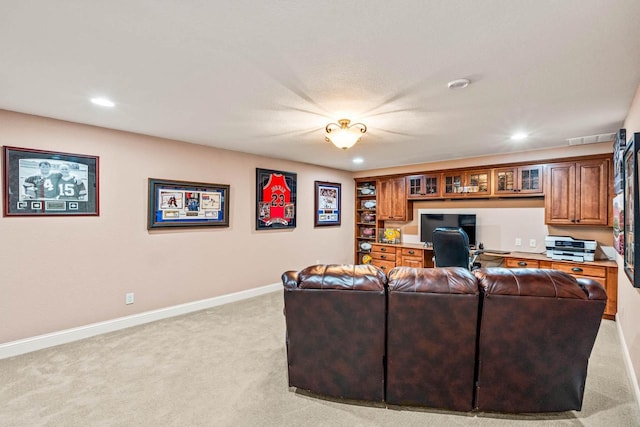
point(518, 181)
point(422, 187)
point(576, 193)
point(392, 199)
point(472, 183)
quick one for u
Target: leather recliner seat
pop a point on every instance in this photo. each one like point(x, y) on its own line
point(537, 330)
point(336, 328)
point(431, 337)
point(495, 339)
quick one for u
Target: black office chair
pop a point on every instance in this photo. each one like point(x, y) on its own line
point(451, 247)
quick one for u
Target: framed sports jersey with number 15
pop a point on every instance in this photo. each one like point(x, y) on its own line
point(275, 199)
point(46, 183)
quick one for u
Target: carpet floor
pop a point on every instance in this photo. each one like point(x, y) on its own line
point(226, 366)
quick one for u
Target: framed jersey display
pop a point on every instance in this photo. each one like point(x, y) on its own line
point(187, 204)
point(275, 199)
point(46, 183)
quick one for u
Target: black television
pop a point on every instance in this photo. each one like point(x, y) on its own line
point(429, 222)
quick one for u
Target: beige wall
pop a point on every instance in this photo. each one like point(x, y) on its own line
point(628, 296)
point(114, 253)
point(59, 272)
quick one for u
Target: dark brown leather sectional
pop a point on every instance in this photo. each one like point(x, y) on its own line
point(504, 340)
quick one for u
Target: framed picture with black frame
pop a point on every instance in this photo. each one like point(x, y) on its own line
point(187, 204)
point(49, 183)
point(276, 193)
point(619, 146)
point(327, 202)
point(631, 210)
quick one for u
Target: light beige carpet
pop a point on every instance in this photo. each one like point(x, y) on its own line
point(226, 366)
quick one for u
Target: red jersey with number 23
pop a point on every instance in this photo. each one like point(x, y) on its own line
point(277, 192)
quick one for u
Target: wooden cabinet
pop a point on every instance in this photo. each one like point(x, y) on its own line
point(518, 181)
point(383, 257)
point(392, 199)
point(410, 257)
point(606, 276)
point(426, 186)
point(366, 215)
point(603, 272)
point(473, 183)
point(576, 193)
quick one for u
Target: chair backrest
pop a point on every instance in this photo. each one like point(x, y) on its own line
point(451, 247)
point(336, 325)
point(431, 337)
point(537, 331)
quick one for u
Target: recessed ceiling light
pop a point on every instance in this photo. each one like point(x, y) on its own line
point(358, 160)
point(519, 136)
point(458, 83)
point(103, 102)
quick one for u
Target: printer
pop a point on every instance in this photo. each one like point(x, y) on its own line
point(569, 249)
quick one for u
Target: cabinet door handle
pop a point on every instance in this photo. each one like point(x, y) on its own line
point(383, 249)
point(577, 270)
point(383, 256)
point(411, 252)
point(522, 264)
point(383, 267)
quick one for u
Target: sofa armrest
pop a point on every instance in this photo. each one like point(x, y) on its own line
point(290, 279)
point(593, 289)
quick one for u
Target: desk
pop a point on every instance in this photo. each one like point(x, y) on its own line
point(387, 256)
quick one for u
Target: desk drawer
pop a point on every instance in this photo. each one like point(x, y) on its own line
point(384, 256)
point(385, 266)
point(382, 248)
point(521, 263)
point(412, 252)
point(580, 269)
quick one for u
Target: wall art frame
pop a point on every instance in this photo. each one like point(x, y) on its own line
point(187, 204)
point(619, 146)
point(49, 183)
point(327, 204)
point(276, 195)
point(632, 210)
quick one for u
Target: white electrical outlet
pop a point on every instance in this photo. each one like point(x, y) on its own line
point(128, 298)
point(532, 243)
point(518, 241)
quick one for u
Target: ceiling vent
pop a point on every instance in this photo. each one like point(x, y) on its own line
point(592, 139)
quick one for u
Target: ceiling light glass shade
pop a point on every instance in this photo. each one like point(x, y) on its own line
point(342, 135)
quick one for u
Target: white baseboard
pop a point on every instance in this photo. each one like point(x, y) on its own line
point(627, 362)
point(15, 348)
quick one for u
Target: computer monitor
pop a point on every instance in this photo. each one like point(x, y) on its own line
point(429, 222)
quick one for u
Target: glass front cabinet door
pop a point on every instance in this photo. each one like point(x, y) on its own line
point(518, 180)
point(425, 186)
point(475, 183)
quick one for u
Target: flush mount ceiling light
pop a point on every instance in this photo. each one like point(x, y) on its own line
point(458, 83)
point(103, 102)
point(342, 135)
point(519, 136)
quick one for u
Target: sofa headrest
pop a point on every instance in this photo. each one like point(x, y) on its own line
point(441, 280)
point(342, 276)
point(534, 282)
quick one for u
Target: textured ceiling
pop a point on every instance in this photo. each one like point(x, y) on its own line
point(266, 77)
